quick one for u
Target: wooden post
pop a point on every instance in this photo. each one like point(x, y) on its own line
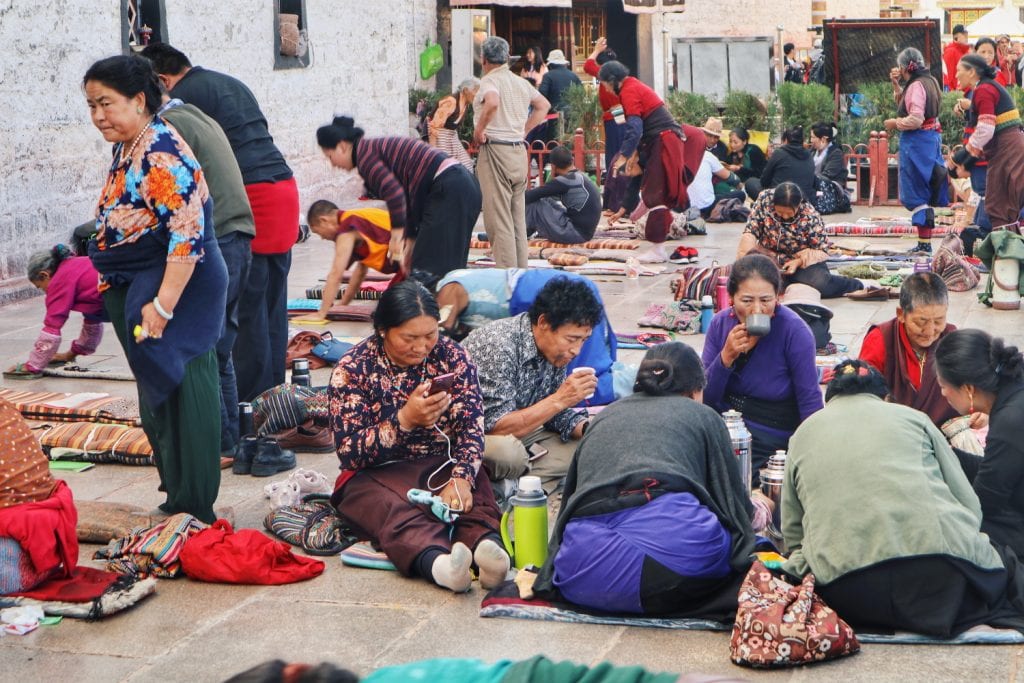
point(579, 156)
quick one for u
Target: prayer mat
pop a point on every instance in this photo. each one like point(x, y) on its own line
point(350, 313)
point(101, 443)
point(504, 601)
point(364, 555)
point(65, 597)
point(592, 244)
point(52, 406)
point(368, 291)
point(79, 372)
point(102, 522)
point(880, 228)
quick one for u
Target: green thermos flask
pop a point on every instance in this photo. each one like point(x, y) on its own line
point(529, 514)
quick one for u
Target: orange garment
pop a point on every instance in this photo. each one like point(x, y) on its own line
point(373, 226)
point(24, 469)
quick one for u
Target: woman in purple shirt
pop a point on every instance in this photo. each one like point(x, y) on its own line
point(71, 283)
point(771, 379)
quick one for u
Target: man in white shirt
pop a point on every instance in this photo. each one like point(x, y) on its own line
point(702, 190)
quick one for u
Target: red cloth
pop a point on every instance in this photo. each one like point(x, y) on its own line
point(45, 530)
point(222, 555)
point(671, 167)
point(638, 99)
point(606, 97)
point(951, 56)
point(275, 209)
point(84, 585)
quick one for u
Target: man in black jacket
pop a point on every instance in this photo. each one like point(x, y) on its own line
point(554, 84)
point(565, 209)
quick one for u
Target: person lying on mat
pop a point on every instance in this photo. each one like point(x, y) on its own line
point(655, 516)
point(902, 349)
point(71, 284)
point(529, 395)
point(407, 413)
point(763, 367)
point(914, 558)
point(784, 226)
point(361, 238)
point(473, 297)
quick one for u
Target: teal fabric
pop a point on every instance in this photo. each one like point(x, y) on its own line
point(1000, 244)
point(539, 669)
point(448, 670)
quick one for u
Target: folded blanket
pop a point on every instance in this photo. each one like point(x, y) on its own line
point(69, 597)
point(151, 551)
point(96, 442)
point(592, 244)
point(52, 406)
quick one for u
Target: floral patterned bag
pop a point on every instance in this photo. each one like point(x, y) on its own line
point(779, 625)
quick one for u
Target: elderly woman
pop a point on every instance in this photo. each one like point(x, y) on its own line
point(902, 349)
point(433, 200)
point(163, 279)
point(396, 432)
point(70, 283)
point(659, 155)
point(444, 125)
point(656, 517)
point(978, 372)
point(997, 138)
point(913, 559)
point(788, 229)
point(922, 168)
point(772, 378)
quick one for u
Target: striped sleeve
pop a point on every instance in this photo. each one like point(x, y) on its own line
point(380, 180)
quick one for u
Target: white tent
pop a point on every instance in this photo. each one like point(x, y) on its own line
point(997, 22)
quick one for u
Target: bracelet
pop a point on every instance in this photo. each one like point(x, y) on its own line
point(160, 309)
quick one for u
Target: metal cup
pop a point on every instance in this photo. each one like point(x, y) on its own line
point(758, 324)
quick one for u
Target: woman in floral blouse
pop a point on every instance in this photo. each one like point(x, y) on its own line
point(788, 229)
point(162, 277)
point(393, 435)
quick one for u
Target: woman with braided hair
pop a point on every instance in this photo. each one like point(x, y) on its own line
point(922, 168)
point(997, 138)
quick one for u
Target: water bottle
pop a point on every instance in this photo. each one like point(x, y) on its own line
point(741, 443)
point(245, 419)
point(632, 268)
point(922, 264)
point(772, 477)
point(300, 372)
point(722, 293)
point(707, 312)
point(529, 513)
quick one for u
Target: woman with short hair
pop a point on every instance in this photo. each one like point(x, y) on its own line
point(885, 518)
point(790, 162)
point(771, 378)
point(655, 516)
point(395, 432)
point(979, 372)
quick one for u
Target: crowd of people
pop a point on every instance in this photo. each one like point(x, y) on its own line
point(473, 378)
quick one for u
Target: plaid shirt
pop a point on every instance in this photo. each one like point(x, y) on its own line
point(514, 374)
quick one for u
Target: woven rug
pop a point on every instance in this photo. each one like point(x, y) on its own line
point(97, 442)
point(74, 371)
point(879, 229)
point(610, 243)
point(53, 406)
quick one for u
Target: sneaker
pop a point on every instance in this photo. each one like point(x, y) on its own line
point(245, 454)
point(271, 459)
point(680, 255)
point(921, 248)
point(283, 493)
point(310, 481)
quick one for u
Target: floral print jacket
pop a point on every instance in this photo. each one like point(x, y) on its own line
point(805, 231)
point(159, 187)
point(367, 390)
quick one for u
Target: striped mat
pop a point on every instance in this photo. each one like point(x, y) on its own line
point(101, 443)
point(610, 243)
point(878, 229)
point(60, 407)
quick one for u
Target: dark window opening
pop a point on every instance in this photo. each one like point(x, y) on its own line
point(291, 37)
point(142, 22)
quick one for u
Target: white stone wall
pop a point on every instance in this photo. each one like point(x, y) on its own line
point(364, 62)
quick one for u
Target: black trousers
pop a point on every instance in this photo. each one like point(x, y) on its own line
point(446, 225)
point(259, 351)
point(237, 257)
point(818, 276)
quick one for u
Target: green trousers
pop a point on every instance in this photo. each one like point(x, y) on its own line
point(184, 431)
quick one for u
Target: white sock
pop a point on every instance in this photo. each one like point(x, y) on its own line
point(452, 571)
point(493, 563)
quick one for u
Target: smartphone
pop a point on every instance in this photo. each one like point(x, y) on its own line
point(536, 452)
point(441, 383)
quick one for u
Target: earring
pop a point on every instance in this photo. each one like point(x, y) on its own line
point(138, 110)
point(970, 395)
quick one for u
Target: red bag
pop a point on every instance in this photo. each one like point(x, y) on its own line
point(221, 555)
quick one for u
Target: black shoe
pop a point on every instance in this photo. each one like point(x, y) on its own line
point(271, 459)
point(922, 248)
point(245, 454)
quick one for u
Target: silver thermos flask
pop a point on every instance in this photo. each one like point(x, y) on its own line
point(772, 477)
point(741, 443)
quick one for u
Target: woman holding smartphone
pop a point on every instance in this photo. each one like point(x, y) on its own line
point(406, 412)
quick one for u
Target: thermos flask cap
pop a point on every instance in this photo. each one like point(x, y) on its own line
point(529, 484)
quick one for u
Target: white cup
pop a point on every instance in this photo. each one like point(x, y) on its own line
point(584, 368)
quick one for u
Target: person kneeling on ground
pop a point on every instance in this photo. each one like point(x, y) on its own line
point(655, 518)
point(785, 227)
point(915, 558)
point(567, 208)
point(473, 297)
point(528, 394)
point(361, 240)
point(71, 283)
point(396, 432)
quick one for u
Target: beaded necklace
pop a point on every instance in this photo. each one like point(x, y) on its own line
point(127, 154)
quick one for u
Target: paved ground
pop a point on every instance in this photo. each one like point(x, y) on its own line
point(363, 619)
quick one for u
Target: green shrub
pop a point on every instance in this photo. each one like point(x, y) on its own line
point(689, 107)
point(880, 105)
point(1018, 97)
point(584, 111)
point(952, 123)
point(744, 110)
point(805, 105)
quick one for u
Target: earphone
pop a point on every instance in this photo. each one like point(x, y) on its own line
point(449, 461)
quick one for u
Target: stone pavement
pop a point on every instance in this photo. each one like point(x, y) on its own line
point(364, 619)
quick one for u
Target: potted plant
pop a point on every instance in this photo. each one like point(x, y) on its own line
point(690, 107)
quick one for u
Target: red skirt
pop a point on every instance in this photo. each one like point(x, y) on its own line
point(275, 210)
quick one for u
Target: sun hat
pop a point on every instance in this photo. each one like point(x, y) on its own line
point(713, 126)
point(557, 57)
